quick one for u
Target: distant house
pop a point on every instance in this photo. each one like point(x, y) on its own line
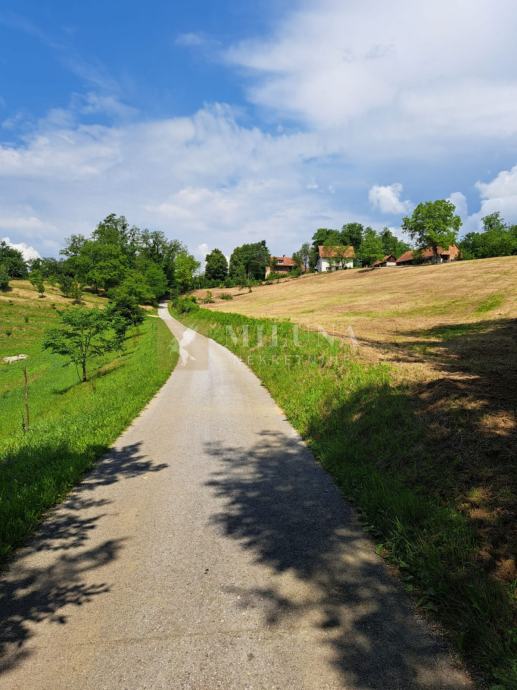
point(388, 260)
point(334, 258)
point(427, 256)
point(280, 264)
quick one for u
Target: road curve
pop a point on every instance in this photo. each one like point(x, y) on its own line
point(209, 550)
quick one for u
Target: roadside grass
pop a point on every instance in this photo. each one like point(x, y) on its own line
point(367, 431)
point(71, 423)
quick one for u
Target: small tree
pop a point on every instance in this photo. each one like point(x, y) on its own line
point(433, 224)
point(37, 281)
point(82, 334)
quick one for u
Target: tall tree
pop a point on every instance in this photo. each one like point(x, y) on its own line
point(371, 248)
point(352, 233)
point(250, 261)
point(185, 268)
point(12, 261)
point(433, 224)
point(391, 243)
point(216, 267)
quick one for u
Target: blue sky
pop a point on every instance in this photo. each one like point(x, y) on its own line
point(229, 122)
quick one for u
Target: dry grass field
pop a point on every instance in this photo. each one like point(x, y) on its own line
point(449, 333)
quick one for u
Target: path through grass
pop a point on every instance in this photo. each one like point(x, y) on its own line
point(366, 431)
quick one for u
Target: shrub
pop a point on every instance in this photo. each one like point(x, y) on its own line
point(185, 305)
point(226, 296)
point(208, 298)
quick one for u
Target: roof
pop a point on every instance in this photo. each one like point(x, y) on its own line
point(339, 251)
point(407, 256)
point(283, 261)
point(384, 259)
point(427, 253)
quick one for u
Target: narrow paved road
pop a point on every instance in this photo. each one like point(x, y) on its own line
point(209, 550)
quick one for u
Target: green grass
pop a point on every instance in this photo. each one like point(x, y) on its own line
point(72, 423)
point(492, 302)
point(365, 432)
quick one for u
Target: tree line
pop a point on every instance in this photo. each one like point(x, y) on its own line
point(132, 265)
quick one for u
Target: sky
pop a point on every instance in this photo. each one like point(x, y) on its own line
point(222, 122)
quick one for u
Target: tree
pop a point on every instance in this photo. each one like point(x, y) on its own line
point(154, 276)
point(303, 257)
point(37, 281)
point(433, 224)
point(352, 233)
point(185, 267)
point(391, 244)
point(371, 248)
point(249, 261)
point(4, 278)
point(12, 261)
point(216, 265)
point(496, 239)
point(82, 334)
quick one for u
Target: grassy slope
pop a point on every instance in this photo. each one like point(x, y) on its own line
point(449, 334)
point(72, 423)
point(371, 426)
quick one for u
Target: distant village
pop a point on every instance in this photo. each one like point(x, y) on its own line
point(333, 258)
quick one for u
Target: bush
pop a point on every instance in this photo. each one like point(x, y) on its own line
point(185, 305)
point(226, 296)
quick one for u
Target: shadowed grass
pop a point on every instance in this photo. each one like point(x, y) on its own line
point(366, 431)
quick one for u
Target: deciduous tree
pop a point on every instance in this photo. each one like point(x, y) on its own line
point(82, 334)
point(433, 224)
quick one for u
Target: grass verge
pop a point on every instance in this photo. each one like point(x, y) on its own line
point(72, 423)
point(365, 431)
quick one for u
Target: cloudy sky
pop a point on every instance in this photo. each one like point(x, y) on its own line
point(229, 121)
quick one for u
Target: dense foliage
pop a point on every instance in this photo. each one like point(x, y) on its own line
point(12, 262)
point(249, 261)
point(216, 265)
point(433, 224)
point(369, 245)
point(118, 260)
point(496, 239)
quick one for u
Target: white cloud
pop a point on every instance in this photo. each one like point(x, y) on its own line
point(387, 199)
point(460, 202)
point(203, 179)
point(27, 251)
point(499, 194)
point(415, 76)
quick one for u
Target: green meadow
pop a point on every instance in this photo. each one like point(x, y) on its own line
point(71, 423)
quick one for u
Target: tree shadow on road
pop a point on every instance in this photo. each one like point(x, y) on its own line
point(31, 594)
point(284, 509)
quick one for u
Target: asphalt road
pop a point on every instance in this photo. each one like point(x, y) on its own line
point(209, 550)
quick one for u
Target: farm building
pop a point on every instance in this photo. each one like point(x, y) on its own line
point(334, 258)
point(280, 264)
point(426, 256)
point(388, 260)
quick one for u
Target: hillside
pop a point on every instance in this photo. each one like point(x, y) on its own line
point(71, 423)
point(448, 333)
